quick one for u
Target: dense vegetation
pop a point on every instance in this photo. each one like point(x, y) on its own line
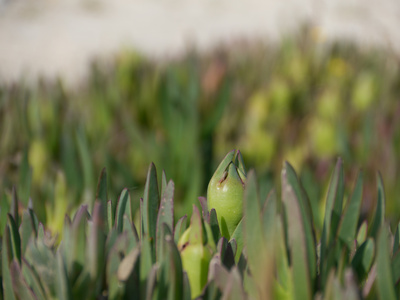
point(305, 102)
point(107, 250)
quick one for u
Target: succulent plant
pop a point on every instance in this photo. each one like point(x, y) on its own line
point(272, 253)
point(225, 192)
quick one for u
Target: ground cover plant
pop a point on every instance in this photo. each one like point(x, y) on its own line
point(303, 101)
point(109, 250)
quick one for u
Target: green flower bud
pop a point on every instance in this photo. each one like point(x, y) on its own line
point(225, 192)
point(195, 261)
point(196, 249)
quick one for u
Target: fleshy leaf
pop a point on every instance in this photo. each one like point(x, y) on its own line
point(6, 259)
point(290, 178)
point(196, 235)
point(95, 252)
point(214, 225)
point(348, 224)
point(123, 200)
point(63, 288)
point(101, 193)
point(149, 210)
point(297, 240)
point(180, 228)
point(384, 278)
point(333, 211)
point(165, 212)
point(33, 281)
point(14, 206)
point(204, 209)
point(15, 238)
point(21, 288)
point(258, 258)
point(363, 258)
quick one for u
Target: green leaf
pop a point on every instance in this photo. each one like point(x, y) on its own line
point(149, 210)
point(175, 271)
point(26, 230)
point(63, 288)
point(362, 260)
point(196, 235)
point(110, 215)
point(33, 281)
point(145, 262)
point(379, 217)
point(124, 198)
point(151, 288)
point(95, 251)
point(284, 280)
point(297, 239)
point(165, 213)
point(268, 214)
point(85, 157)
point(396, 241)
point(132, 234)
point(21, 288)
point(218, 273)
point(226, 253)
point(115, 287)
point(348, 224)
point(362, 233)
point(6, 259)
point(215, 226)
point(395, 264)
point(333, 211)
point(204, 209)
point(25, 179)
point(127, 265)
point(234, 289)
point(4, 210)
point(101, 193)
point(180, 228)
point(43, 262)
point(258, 258)
point(384, 277)
point(237, 236)
point(74, 253)
point(187, 295)
point(14, 206)
point(164, 182)
point(15, 238)
point(211, 291)
point(290, 178)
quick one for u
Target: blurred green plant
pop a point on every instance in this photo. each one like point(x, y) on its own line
point(305, 101)
point(108, 250)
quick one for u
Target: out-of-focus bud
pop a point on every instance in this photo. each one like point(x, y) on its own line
point(196, 253)
point(225, 192)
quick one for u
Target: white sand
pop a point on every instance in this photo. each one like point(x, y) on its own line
point(59, 37)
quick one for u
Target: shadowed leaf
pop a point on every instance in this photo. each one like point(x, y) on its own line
point(362, 260)
point(348, 224)
point(297, 241)
point(379, 217)
point(384, 278)
point(165, 212)
point(123, 200)
point(149, 210)
point(21, 288)
point(101, 193)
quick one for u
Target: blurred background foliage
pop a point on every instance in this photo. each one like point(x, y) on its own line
point(303, 101)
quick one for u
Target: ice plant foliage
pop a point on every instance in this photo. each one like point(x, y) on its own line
point(238, 246)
